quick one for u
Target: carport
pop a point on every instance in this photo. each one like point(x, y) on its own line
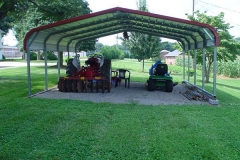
point(67, 35)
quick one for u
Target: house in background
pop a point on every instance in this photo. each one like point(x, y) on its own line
point(11, 52)
point(162, 54)
point(170, 58)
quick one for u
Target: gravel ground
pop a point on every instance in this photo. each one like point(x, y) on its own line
point(121, 95)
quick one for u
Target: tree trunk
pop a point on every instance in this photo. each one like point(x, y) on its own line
point(207, 71)
point(24, 55)
point(38, 55)
point(143, 66)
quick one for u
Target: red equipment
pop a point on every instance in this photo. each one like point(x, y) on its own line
point(94, 73)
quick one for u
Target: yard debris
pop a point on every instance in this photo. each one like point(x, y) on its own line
point(193, 93)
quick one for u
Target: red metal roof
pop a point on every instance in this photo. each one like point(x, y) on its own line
point(67, 35)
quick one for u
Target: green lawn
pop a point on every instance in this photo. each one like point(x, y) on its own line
point(34, 128)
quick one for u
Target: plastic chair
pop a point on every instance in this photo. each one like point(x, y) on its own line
point(124, 74)
point(114, 78)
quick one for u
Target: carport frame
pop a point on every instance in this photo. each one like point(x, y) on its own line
point(68, 34)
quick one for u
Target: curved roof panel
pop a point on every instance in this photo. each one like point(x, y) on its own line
point(68, 34)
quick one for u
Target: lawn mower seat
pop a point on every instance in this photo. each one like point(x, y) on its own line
point(161, 70)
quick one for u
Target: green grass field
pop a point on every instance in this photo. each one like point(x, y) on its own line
point(34, 128)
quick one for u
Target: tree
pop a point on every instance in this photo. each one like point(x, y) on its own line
point(111, 52)
point(228, 49)
point(5, 24)
point(64, 9)
point(87, 45)
point(143, 45)
point(29, 14)
point(98, 46)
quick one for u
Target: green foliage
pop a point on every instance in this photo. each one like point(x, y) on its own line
point(87, 46)
point(228, 49)
point(5, 24)
point(33, 56)
point(190, 73)
point(121, 56)
point(53, 10)
point(144, 46)
point(229, 69)
point(179, 61)
point(98, 46)
point(111, 52)
point(28, 14)
point(50, 56)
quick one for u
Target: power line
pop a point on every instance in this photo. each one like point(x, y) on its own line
point(225, 19)
point(220, 7)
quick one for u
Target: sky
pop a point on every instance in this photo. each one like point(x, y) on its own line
point(172, 8)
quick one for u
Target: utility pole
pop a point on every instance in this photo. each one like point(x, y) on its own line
point(193, 8)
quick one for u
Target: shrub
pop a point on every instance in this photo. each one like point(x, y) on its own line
point(121, 55)
point(33, 56)
point(179, 61)
point(229, 69)
point(191, 72)
point(50, 56)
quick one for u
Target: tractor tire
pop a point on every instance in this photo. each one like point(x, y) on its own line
point(80, 86)
point(69, 85)
point(169, 86)
point(70, 69)
point(151, 85)
point(146, 85)
point(64, 85)
point(74, 86)
point(60, 82)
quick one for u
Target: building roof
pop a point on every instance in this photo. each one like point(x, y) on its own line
point(174, 53)
point(164, 51)
point(67, 35)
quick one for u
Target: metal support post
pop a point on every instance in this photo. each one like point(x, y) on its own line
point(183, 66)
point(195, 66)
point(46, 70)
point(28, 72)
point(203, 67)
point(188, 65)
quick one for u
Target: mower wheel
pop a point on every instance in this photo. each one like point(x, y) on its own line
point(169, 86)
point(151, 85)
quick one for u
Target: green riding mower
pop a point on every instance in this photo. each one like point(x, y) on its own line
point(160, 78)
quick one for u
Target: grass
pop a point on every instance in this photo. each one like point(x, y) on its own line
point(35, 128)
